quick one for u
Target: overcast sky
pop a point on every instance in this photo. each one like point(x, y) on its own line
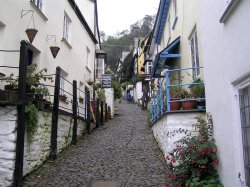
point(117, 15)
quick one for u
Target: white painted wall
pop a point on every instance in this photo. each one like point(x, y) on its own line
point(225, 55)
point(169, 123)
point(36, 152)
point(8, 117)
point(72, 60)
point(138, 91)
point(109, 94)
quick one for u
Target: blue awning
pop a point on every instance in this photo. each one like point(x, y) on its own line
point(162, 18)
point(162, 57)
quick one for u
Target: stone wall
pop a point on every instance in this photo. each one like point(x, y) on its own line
point(169, 123)
point(36, 152)
point(8, 116)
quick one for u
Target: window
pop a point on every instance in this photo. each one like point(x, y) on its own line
point(88, 56)
point(245, 125)
point(62, 82)
point(229, 7)
point(175, 7)
point(66, 27)
point(38, 3)
point(175, 13)
point(149, 67)
point(195, 54)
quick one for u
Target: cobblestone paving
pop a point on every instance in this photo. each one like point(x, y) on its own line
point(122, 151)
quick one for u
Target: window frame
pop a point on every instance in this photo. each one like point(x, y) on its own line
point(230, 5)
point(62, 82)
point(243, 105)
point(39, 4)
point(193, 39)
point(66, 27)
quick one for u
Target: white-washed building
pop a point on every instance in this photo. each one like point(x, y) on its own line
point(225, 28)
point(74, 25)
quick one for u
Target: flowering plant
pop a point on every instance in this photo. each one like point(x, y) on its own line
point(193, 162)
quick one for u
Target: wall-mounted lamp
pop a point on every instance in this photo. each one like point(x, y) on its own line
point(31, 32)
point(54, 48)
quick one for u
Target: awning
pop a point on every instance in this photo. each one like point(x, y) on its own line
point(162, 58)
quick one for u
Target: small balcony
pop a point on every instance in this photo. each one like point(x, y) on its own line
point(177, 97)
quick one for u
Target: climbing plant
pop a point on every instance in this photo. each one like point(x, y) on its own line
point(31, 121)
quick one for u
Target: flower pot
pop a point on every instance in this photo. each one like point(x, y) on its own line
point(63, 97)
point(54, 50)
point(201, 104)
point(8, 87)
point(188, 105)
point(47, 104)
point(31, 33)
point(81, 100)
point(175, 105)
point(90, 83)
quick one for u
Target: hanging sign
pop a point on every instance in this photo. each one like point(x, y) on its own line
point(106, 81)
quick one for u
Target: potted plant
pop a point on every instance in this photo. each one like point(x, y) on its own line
point(63, 97)
point(31, 33)
point(54, 50)
point(188, 104)
point(81, 99)
point(175, 94)
point(198, 91)
point(90, 82)
point(11, 89)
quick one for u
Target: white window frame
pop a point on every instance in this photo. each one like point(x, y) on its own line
point(62, 81)
point(66, 27)
point(194, 53)
point(239, 84)
point(38, 3)
point(229, 7)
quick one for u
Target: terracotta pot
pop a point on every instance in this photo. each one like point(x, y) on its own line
point(31, 33)
point(175, 105)
point(54, 50)
point(188, 105)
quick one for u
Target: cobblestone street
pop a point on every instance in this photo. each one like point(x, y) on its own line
point(122, 153)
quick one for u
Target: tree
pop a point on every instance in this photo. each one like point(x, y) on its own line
point(124, 41)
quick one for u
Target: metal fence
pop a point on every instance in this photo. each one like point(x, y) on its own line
point(161, 101)
point(22, 95)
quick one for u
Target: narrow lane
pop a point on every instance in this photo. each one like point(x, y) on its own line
point(121, 153)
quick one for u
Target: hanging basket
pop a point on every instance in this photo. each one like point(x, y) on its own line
point(54, 50)
point(31, 33)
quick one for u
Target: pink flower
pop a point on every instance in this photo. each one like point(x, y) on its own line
point(215, 163)
point(181, 152)
point(167, 185)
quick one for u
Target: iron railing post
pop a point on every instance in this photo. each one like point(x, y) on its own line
point(167, 90)
point(54, 126)
point(102, 113)
point(88, 111)
point(74, 135)
point(106, 112)
point(97, 113)
point(18, 173)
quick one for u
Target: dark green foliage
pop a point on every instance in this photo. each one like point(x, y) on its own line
point(194, 161)
point(127, 69)
point(198, 90)
point(124, 41)
point(31, 121)
point(117, 89)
